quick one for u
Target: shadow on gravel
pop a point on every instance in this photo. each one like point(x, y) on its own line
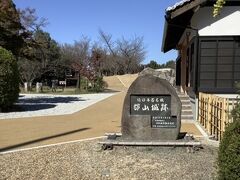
point(51, 100)
point(28, 107)
point(39, 103)
point(41, 139)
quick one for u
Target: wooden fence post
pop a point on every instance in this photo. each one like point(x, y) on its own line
point(214, 113)
point(209, 112)
point(224, 112)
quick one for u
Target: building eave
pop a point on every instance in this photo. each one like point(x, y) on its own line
point(177, 19)
point(173, 30)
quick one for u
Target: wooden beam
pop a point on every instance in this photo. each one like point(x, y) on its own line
point(186, 7)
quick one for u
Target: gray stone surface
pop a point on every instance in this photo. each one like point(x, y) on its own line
point(138, 127)
point(165, 73)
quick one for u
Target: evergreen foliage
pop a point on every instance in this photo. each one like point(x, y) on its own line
point(236, 111)
point(154, 65)
point(9, 79)
point(99, 84)
point(11, 36)
point(229, 150)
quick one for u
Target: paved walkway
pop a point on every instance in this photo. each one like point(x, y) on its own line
point(93, 121)
point(33, 105)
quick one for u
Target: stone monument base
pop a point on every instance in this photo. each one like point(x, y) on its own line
point(114, 139)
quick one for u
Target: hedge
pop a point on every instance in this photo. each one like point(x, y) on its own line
point(229, 153)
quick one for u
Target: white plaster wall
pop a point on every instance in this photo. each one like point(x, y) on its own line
point(227, 23)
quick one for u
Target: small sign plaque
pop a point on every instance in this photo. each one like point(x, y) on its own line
point(164, 122)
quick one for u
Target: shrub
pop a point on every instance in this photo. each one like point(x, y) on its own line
point(236, 111)
point(99, 84)
point(229, 152)
point(9, 79)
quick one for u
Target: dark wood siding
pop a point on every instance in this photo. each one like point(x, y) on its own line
point(218, 64)
point(192, 52)
point(178, 71)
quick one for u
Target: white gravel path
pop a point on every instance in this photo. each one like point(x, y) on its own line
point(32, 105)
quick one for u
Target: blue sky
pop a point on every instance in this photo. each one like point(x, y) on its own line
point(69, 20)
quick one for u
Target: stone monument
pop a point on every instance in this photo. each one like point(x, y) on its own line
point(151, 110)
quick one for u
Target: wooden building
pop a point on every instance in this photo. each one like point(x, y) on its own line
point(209, 47)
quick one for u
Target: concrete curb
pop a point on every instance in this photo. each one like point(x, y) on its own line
point(206, 140)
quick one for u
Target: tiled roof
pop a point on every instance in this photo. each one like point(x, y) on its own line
point(178, 4)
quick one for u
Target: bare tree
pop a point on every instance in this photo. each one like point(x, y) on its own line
point(113, 61)
point(108, 58)
point(124, 55)
point(31, 21)
point(29, 70)
point(132, 53)
point(98, 58)
point(107, 40)
point(77, 56)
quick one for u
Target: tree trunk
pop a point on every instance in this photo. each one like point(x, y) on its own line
point(87, 85)
point(79, 82)
point(38, 87)
point(27, 86)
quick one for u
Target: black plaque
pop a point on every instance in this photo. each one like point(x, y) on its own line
point(157, 106)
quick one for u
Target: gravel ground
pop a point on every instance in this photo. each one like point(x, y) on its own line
point(86, 160)
point(32, 105)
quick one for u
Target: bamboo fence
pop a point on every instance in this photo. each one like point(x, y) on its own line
point(214, 113)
